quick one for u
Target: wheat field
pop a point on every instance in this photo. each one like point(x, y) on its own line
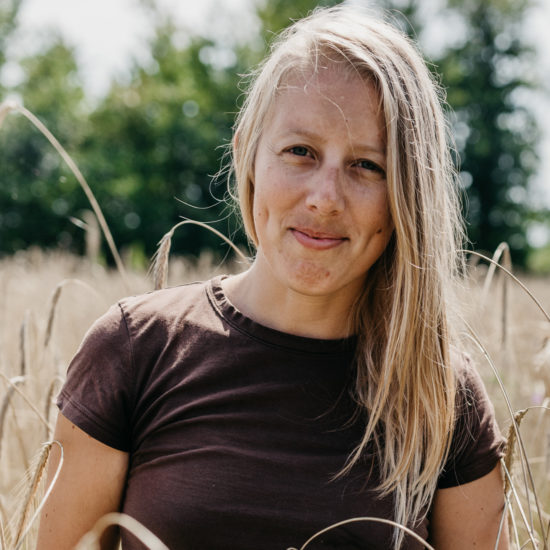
point(50, 299)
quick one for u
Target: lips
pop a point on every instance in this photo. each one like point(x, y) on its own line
point(316, 240)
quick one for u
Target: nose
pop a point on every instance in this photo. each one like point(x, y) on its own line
point(325, 192)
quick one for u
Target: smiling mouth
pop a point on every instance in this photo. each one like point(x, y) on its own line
point(317, 240)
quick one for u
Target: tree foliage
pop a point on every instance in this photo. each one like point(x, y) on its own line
point(150, 147)
point(495, 135)
point(37, 192)
point(155, 144)
point(8, 18)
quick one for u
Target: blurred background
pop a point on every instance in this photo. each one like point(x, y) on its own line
point(143, 94)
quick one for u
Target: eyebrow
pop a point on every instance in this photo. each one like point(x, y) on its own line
point(313, 135)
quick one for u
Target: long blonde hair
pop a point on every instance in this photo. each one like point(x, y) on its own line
point(405, 383)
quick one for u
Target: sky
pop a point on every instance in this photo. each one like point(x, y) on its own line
point(109, 34)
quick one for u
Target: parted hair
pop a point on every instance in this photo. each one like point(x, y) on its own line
point(405, 381)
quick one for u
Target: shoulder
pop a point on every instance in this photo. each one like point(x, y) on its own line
point(177, 316)
point(150, 317)
point(164, 304)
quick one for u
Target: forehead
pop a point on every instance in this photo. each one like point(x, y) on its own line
point(328, 98)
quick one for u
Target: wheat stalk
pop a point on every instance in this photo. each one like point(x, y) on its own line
point(32, 490)
point(514, 278)
point(10, 106)
point(93, 234)
point(54, 299)
point(18, 431)
point(34, 485)
point(160, 261)
point(367, 519)
point(5, 108)
point(526, 522)
point(57, 381)
point(23, 344)
point(159, 265)
point(526, 469)
point(502, 250)
point(511, 443)
point(5, 404)
point(25, 398)
point(2, 538)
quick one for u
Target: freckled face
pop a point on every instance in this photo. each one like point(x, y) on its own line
point(320, 196)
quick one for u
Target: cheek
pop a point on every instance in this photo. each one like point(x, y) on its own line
point(386, 224)
point(272, 194)
point(376, 213)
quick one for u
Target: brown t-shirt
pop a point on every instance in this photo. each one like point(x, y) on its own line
point(235, 431)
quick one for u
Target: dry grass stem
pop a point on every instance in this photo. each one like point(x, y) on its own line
point(55, 384)
point(25, 331)
point(529, 483)
point(161, 258)
point(26, 399)
point(503, 250)
point(80, 178)
point(527, 524)
point(366, 519)
point(6, 107)
point(32, 490)
point(26, 283)
point(34, 484)
point(55, 299)
point(160, 262)
point(91, 539)
point(5, 405)
point(515, 279)
point(511, 443)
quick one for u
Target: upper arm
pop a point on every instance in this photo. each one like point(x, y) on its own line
point(90, 484)
point(469, 516)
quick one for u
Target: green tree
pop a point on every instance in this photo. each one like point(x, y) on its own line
point(495, 135)
point(276, 15)
point(151, 147)
point(157, 141)
point(37, 191)
point(154, 146)
point(8, 19)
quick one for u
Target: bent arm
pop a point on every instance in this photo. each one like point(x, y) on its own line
point(90, 485)
point(469, 516)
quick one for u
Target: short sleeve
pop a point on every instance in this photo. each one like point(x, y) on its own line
point(477, 443)
point(96, 395)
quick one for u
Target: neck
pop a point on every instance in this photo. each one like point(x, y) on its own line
point(261, 298)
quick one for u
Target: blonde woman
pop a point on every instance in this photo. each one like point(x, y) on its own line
point(325, 382)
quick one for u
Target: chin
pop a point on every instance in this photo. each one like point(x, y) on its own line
point(318, 281)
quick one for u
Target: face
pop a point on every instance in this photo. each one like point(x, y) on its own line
point(320, 204)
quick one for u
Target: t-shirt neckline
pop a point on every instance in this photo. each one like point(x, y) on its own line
point(248, 326)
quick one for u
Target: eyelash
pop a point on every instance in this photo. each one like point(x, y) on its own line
point(293, 150)
point(371, 165)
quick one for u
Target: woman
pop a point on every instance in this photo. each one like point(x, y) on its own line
point(324, 382)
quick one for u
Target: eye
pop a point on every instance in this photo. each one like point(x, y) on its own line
point(299, 151)
point(365, 164)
